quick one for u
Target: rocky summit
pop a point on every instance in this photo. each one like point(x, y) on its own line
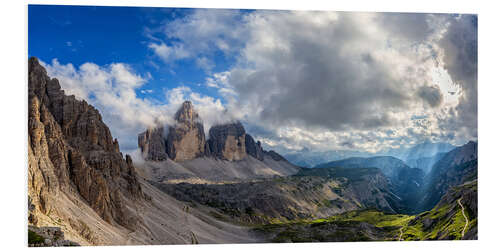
point(186, 139)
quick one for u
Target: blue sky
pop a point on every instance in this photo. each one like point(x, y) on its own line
point(103, 35)
point(296, 79)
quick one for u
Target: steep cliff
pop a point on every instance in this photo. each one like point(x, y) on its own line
point(186, 139)
point(71, 150)
point(152, 144)
point(253, 148)
point(227, 141)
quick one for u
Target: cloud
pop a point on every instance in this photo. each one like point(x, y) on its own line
point(458, 48)
point(198, 35)
point(333, 79)
point(169, 53)
point(112, 90)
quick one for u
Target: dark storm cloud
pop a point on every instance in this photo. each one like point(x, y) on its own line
point(459, 45)
point(412, 26)
point(431, 95)
point(320, 80)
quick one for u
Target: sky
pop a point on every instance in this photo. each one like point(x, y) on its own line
point(297, 80)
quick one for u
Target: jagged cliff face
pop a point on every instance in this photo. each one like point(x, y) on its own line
point(227, 141)
point(71, 150)
point(152, 144)
point(186, 140)
point(254, 149)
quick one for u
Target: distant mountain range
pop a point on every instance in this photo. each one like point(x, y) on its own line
point(422, 150)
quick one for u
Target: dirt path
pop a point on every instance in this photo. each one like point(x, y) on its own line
point(400, 234)
point(463, 213)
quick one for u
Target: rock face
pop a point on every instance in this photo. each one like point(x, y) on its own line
point(227, 141)
point(253, 149)
point(71, 150)
point(186, 140)
point(152, 144)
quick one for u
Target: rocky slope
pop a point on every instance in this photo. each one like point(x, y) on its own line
point(310, 194)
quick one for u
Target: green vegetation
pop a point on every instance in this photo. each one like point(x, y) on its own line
point(352, 174)
point(34, 238)
point(376, 218)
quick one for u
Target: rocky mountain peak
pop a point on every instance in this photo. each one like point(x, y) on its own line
point(187, 114)
point(186, 140)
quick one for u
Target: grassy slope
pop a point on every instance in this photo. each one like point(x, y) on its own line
point(445, 221)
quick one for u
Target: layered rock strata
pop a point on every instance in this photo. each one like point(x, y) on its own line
point(71, 150)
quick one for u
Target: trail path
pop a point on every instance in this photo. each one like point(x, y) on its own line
point(400, 234)
point(463, 213)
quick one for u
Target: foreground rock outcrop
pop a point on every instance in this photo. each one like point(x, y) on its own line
point(71, 150)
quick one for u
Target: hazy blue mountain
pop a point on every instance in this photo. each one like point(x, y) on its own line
point(425, 163)
point(422, 150)
point(454, 168)
point(309, 159)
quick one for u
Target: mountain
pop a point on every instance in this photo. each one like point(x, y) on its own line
point(229, 154)
point(422, 150)
point(454, 168)
point(406, 182)
point(425, 163)
point(387, 164)
point(308, 158)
